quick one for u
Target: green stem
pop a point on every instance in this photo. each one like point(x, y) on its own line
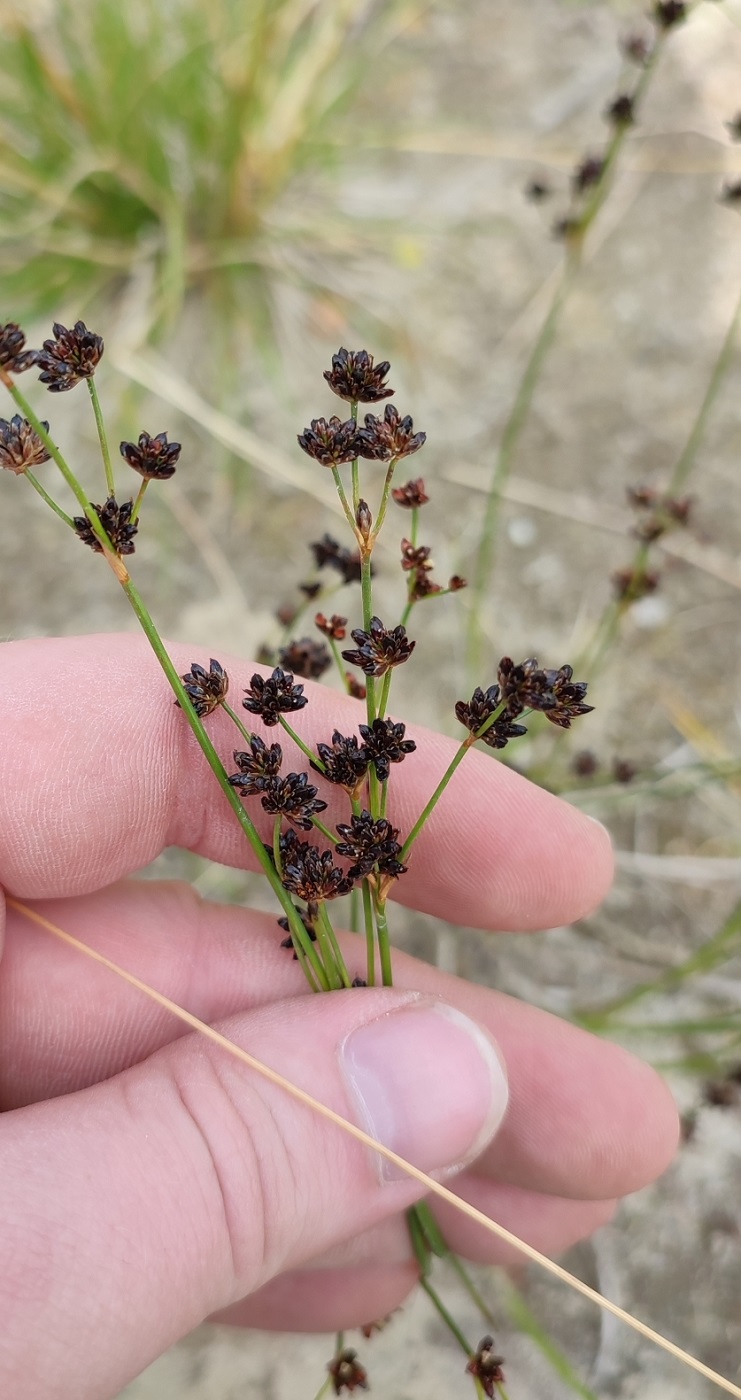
point(309, 753)
point(324, 941)
point(325, 831)
point(384, 943)
point(415, 526)
point(378, 526)
point(46, 497)
point(343, 499)
point(366, 587)
point(102, 437)
point(138, 502)
point(355, 909)
point(338, 960)
point(355, 465)
point(686, 461)
point(278, 822)
point(385, 688)
point(339, 663)
point(449, 1321)
point(370, 935)
point(457, 758)
point(64, 467)
point(236, 720)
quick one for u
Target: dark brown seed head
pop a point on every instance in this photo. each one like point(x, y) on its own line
point(385, 744)
point(421, 585)
point(364, 521)
point(667, 13)
point(20, 445)
point(116, 521)
point(293, 796)
point(390, 436)
point(585, 763)
point(486, 1366)
point(256, 766)
point(632, 584)
point(529, 686)
point(720, 1093)
point(331, 443)
point(354, 377)
point(588, 173)
point(456, 583)
point(371, 846)
point(13, 357)
point(355, 688)
point(636, 47)
point(415, 557)
point(412, 495)
point(331, 555)
point(379, 648)
point(308, 919)
point(621, 111)
point(642, 497)
point(623, 771)
point(206, 688)
point(310, 874)
point(305, 657)
point(334, 626)
point(70, 356)
point(310, 590)
point(154, 458)
point(476, 711)
point(731, 192)
point(272, 696)
point(347, 1373)
point(345, 762)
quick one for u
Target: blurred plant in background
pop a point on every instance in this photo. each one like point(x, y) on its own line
point(150, 138)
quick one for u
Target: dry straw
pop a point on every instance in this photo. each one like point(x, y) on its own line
point(434, 1187)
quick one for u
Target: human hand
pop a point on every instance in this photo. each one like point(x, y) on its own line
point(148, 1179)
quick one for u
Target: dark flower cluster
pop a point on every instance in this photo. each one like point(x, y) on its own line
point(385, 744)
point(411, 495)
point(70, 356)
point(630, 584)
point(331, 442)
point(621, 111)
point(476, 711)
point(588, 173)
point(416, 561)
point(379, 648)
point(528, 686)
point(293, 796)
point(334, 626)
point(390, 436)
point(310, 874)
point(116, 521)
point(354, 377)
point(154, 458)
point(345, 762)
point(659, 513)
point(486, 1367)
point(308, 918)
point(20, 445)
point(371, 846)
point(272, 696)
point(355, 688)
point(13, 357)
point(328, 554)
point(636, 46)
point(206, 688)
point(305, 657)
point(257, 767)
point(667, 13)
point(347, 1373)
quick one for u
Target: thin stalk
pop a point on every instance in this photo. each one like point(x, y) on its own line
point(385, 497)
point(449, 1321)
point(102, 437)
point(385, 688)
point(305, 968)
point(366, 587)
point(339, 663)
point(355, 465)
point(46, 497)
point(236, 720)
point(64, 467)
point(276, 843)
point(415, 525)
point(343, 498)
point(339, 961)
point(324, 943)
point(138, 502)
point(308, 753)
point(370, 936)
point(354, 910)
point(384, 943)
point(457, 758)
point(325, 831)
point(686, 461)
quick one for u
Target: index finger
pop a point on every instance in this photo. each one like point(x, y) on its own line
point(99, 772)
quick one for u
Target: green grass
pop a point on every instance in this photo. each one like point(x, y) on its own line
point(152, 138)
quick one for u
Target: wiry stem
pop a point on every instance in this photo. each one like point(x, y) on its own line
point(46, 497)
point(103, 439)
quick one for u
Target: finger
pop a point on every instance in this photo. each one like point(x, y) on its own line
point(133, 1209)
point(331, 1298)
point(99, 772)
point(586, 1119)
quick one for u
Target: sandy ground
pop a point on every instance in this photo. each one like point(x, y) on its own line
point(447, 270)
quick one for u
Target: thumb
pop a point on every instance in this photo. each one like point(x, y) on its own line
point(132, 1209)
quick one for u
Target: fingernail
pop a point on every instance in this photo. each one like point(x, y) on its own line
point(428, 1083)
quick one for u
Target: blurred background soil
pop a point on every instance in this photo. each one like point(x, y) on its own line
point(425, 250)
